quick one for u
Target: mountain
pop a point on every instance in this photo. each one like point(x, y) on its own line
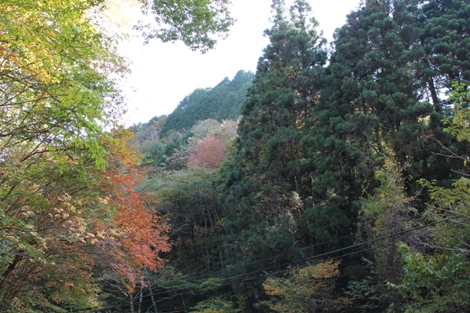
point(220, 103)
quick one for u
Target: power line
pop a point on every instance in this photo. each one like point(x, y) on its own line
point(274, 257)
point(271, 258)
point(322, 255)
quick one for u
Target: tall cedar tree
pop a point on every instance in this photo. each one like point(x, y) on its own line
point(373, 107)
point(381, 102)
point(265, 189)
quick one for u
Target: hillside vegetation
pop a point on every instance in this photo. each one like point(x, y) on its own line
point(223, 102)
point(343, 187)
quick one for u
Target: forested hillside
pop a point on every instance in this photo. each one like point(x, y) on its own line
point(343, 187)
point(223, 102)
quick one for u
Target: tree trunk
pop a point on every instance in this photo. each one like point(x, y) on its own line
point(154, 304)
point(132, 303)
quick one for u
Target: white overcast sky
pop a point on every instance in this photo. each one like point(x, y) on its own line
point(164, 73)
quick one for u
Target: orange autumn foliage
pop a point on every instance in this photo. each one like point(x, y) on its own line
point(138, 234)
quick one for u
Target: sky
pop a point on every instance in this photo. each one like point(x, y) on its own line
point(162, 74)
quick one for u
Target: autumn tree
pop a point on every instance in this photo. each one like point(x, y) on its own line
point(60, 228)
point(54, 73)
point(46, 230)
point(306, 290)
point(55, 93)
point(208, 152)
point(58, 74)
point(135, 236)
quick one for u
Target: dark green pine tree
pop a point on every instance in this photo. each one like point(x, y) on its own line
point(372, 108)
point(445, 39)
point(440, 57)
point(394, 60)
point(380, 101)
point(265, 191)
point(345, 135)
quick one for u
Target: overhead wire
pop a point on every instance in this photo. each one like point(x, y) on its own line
point(269, 258)
point(263, 270)
point(266, 274)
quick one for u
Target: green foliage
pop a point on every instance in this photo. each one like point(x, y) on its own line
point(190, 200)
point(368, 292)
point(172, 289)
point(458, 124)
point(193, 22)
point(443, 32)
point(380, 107)
point(55, 71)
point(388, 210)
point(384, 215)
point(171, 153)
point(437, 280)
point(270, 182)
point(437, 283)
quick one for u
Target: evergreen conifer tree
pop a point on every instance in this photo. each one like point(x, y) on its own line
point(265, 190)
